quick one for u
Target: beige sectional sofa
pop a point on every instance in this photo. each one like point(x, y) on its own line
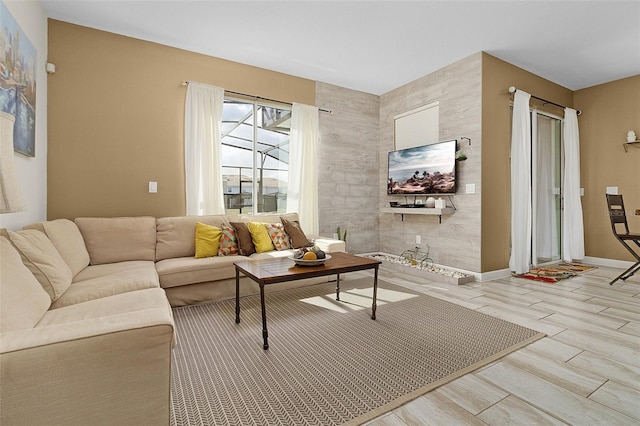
point(86, 328)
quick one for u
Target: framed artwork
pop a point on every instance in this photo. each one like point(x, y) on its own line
point(18, 63)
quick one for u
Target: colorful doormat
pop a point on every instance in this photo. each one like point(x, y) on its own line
point(555, 273)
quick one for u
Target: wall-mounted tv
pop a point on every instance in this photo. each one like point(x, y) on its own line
point(423, 170)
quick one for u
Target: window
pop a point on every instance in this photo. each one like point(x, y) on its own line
point(255, 156)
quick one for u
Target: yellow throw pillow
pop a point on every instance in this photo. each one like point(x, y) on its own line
point(207, 240)
point(260, 237)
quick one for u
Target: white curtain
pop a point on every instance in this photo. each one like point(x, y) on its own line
point(10, 195)
point(520, 184)
point(572, 230)
point(302, 189)
point(202, 149)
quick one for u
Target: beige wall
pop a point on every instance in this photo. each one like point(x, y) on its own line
point(497, 76)
point(116, 112)
point(608, 112)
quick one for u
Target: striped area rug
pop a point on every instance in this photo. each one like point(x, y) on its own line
point(328, 362)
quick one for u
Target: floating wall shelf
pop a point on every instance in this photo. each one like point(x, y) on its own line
point(423, 210)
point(635, 143)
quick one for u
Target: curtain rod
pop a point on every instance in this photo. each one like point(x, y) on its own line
point(186, 83)
point(512, 90)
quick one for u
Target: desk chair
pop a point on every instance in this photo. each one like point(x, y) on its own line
point(618, 216)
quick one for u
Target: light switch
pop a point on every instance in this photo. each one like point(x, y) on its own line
point(470, 188)
point(582, 192)
point(153, 187)
point(612, 190)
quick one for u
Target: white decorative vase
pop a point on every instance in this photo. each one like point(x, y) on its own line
point(631, 136)
point(431, 202)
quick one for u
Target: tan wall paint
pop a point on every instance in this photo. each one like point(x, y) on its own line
point(116, 113)
point(609, 111)
point(497, 76)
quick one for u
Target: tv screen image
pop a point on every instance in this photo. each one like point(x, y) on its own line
point(423, 170)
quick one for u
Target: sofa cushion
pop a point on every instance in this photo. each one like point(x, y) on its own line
point(207, 240)
point(119, 239)
point(245, 242)
point(98, 281)
point(295, 232)
point(188, 270)
point(23, 301)
point(67, 239)
point(175, 235)
point(133, 301)
point(228, 242)
point(278, 236)
point(260, 237)
point(43, 260)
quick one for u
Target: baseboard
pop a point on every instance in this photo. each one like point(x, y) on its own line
point(493, 275)
point(612, 263)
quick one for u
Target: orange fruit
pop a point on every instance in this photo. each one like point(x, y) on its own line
point(309, 256)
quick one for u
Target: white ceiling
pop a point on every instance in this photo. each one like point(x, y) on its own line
point(377, 46)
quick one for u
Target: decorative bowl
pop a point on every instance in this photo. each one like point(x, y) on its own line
point(315, 262)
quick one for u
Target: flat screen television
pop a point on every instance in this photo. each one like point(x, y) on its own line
point(423, 170)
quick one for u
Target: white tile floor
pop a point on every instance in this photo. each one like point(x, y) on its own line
point(585, 372)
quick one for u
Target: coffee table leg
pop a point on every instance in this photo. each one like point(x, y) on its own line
point(338, 287)
point(237, 296)
point(265, 333)
point(375, 292)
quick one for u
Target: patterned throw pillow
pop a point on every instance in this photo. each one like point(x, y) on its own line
point(228, 242)
point(278, 236)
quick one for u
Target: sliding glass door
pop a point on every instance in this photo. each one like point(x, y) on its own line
point(547, 191)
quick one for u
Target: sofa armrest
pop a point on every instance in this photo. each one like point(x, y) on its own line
point(109, 370)
point(329, 245)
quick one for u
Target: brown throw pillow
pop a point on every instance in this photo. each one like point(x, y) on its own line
point(297, 236)
point(245, 243)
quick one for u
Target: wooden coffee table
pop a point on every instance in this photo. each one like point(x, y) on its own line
point(279, 270)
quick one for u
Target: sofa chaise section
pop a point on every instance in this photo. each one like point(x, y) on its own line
point(105, 360)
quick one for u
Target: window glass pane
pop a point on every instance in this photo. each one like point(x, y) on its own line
point(270, 165)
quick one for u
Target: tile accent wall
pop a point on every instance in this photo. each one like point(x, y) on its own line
point(348, 192)
point(458, 88)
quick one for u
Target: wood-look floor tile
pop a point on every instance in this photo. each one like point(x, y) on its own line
point(598, 319)
point(621, 314)
point(513, 411)
point(435, 409)
point(508, 297)
point(610, 347)
point(528, 311)
point(389, 419)
point(504, 286)
point(619, 397)
point(550, 290)
point(583, 305)
point(606, 367)
point(551, 398)
point(562, 320)
point(631, 327)
point(522, 320)
point(630, 304)
point(472, 393)
point(562, 374)
point(553, 349)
